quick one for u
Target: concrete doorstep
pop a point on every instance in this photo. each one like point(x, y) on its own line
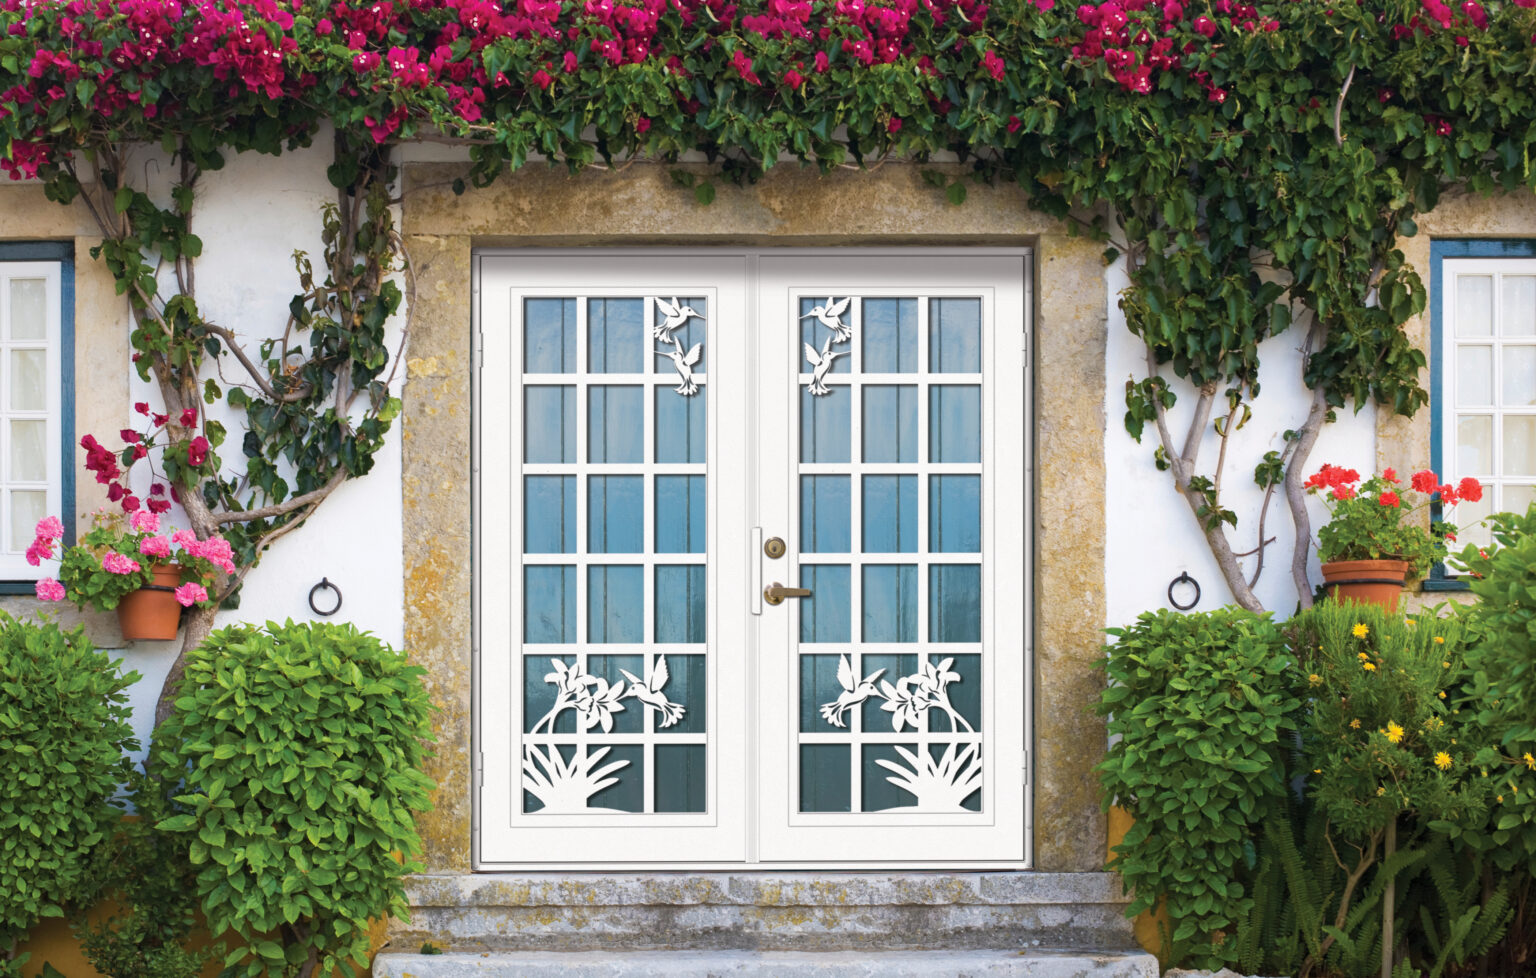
point(768, 964)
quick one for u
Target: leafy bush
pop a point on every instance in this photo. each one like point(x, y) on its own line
point(300, 747)
point(1202, 708)
point(63, 733)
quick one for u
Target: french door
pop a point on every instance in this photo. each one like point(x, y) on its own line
point(751, 559)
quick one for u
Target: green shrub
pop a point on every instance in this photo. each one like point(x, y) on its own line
point(63, 733)
point(300, 747)
point(1202, 707)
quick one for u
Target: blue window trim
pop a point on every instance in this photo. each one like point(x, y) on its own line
point(1438, 252)
point(62, 252)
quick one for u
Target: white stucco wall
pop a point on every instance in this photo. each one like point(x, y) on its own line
point(1153, 535)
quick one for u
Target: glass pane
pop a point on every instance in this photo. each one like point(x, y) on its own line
point(691, 313)
point(880, 792)
point(824, 616)
point(615, 425)
point(890, 424)
point(29, 309)
point(549, 336)
point(549, 605)
point(954, 336)
point(549, 514)
point(1519, 376)
point(954, 603)
point(824, 783)
point(817, 331)
point(1518, 499)
point(1519, 444)
point(616, 336)
point(1519, 312)
point(825, 426)
point(615, 514)
point(820, 707)
point(1468, 518)
point(825, 514)
point(29, 380)
point(550, 424)
point(680, 425)
point(963, 694)
point(682, 774)
point(29, 451)
point(628, 715)
point(954, 424)
point(680, 603)
point(629, 794)
point(1474, 376)
point(680, 512)
point(1474, 445)
point(687, 686)
point(890, 603)
point(615, 604)
point(890, 336)
point(890, 514)
point(27, 508)
point(890, 669)
point(1474, 305)
point(540, 693)
point(954, 514)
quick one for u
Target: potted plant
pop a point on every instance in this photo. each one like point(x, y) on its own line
point(126, 563)
point(1370, 548)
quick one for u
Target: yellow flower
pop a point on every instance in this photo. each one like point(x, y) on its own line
point(1317, 770)
point(1362, 656)
point(1394, 732)
point(1530, 762)
point(1443, 761)
point(1354, 724)
point(1368, 666)
point(1442, 694)
point(1380, 792)
point(1315, 679)
point(1440, 640)
point(1499, 799)
point(1445, 665)
point(1410, 621)
point(1361, 630)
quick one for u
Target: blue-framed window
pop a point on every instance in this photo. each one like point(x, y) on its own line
point(1483, 378)
point(37, 401)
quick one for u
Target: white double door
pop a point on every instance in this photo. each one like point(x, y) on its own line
point(662, 439)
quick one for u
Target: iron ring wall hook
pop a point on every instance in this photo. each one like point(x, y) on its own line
point(325, 584)
point(1183, 578)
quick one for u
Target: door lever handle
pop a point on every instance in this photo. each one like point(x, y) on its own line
point(775, 593)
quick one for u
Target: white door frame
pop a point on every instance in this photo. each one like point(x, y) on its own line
point(730, 546)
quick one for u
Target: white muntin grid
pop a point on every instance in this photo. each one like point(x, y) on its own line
point(13, 415)
point(851, 384)
point(654, 384)
point(1489, 313)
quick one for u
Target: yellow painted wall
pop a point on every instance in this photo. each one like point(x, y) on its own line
point(1150, 925)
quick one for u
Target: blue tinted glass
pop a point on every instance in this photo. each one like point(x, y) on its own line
point(539, 696)
point(616, 336)
point(681, 426)
point(680, 513)
point(825, 615)
point(689, 334)
point(549, 336)
point(879, 794)
point(615, 424)
point(629, 794)
point(890, 336)
point(824, 785)
point(549, 424)
point(615, 514)
point(682, 772)
point(825, 516)
point(954, 424)
point(954, 336)
point(890, 514)
point(610, 668)
point(680, 603)
point(819, 687)
point(825, 430)
point(964, 695)
point(687, 686)
point(954, 603)
point(954, 514)
point(549, 514)
point(890, 603)
point(615, 604)
point(549, 605)
point(821, 337)
point(890, 424)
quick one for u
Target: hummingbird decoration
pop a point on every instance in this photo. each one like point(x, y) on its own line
point(855, 691)
point(673, 315)
point(821, 364)
point(830, 315)
point(651, 693)
point(684, 363)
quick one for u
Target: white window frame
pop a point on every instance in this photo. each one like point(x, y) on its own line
point(14, 568)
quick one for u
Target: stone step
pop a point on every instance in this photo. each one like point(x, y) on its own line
point(768, 964)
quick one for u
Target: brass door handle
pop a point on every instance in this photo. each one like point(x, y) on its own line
point(775, 593)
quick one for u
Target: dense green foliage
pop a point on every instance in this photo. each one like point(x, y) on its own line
point(300, 748)
point(63, 731)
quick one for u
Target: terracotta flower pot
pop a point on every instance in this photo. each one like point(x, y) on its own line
point(152, 612)
point(1378, 582)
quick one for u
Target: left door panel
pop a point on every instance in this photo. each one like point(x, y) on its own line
point(612, 420)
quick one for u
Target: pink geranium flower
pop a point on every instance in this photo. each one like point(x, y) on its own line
point(115, 563)
point(49, 528)
point(49, 590)
point(145, 522)
point(158, 547)
point(190, 594)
